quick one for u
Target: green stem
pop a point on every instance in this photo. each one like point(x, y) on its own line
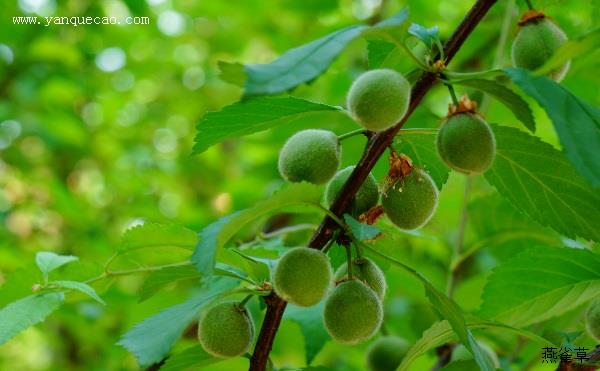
point(351, 134)
point(349, 258)
point(127, 272)
point(245, 300)
point(416, 59)
point(279, 232)
point(452, 93)
point(326, 248)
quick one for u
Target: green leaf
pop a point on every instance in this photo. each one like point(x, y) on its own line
point(572, 49)
point(441, 332)
point(576, 122)
point(361, 231)
point(233, 73)
point(49, 261)
point(305, 63)
point(310, 321)
point(428, 36)
point(151, 339)
point(509, 98)
point(161, 278)
point(447, 308)
point(251, 116)
point(216, 235)
point(157, 235)
point(541, 283)
point(468, 365)
point(81, 287)
point(191, 358)
point(539, 181)
point(422, 150)
point(17, 316)
point(383, 54)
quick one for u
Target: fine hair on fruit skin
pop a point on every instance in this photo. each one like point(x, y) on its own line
point(303, 276)
point(366, 197)
point(537, 40)
point(379, 98)
point(466, 143)
point(353, 312)
point(386, 353)
point(367, 271)
point(226, 330)
point(411, 201)
point(311, 155)
point(592, 319)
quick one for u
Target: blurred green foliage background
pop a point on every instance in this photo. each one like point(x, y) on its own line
point(97, 126)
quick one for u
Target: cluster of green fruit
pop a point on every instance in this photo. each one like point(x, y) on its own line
point(353, 312)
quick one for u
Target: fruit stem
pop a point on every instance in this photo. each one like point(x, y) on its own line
point(529, 4)
point(245, 300)
point(330, 242)
point(452, 93)
point(349, 257)
point(351, 134)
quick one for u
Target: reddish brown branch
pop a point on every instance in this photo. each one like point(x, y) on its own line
point(373, 151)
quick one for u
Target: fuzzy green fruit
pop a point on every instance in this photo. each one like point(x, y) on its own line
point(302, 276)
point(466, 143)
point(226, 330)
point(353, 312)
point(411, 202)
point(386, 353)
point(460, 353)
point(379, 98)
point(310, 155)
point(366, 197)
point(592, 319)
point(537, 40)
point(365, 270)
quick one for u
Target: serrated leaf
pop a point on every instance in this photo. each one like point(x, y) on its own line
point(504, 95)
point(361, 231)
point(190, 358)
point(49, 261)
point(157, 235)
point(539, 181)
point(251, 116)
point(441, 332)
point(81, 287)
point(428, 36)
point(305, 63)
point(422, 150)
point(217, 234)
point(19, 315)
point(541, 283)
point(576, 122)
point(158, 280)
point(310, 321)
point(572, 49)
point(151, 339)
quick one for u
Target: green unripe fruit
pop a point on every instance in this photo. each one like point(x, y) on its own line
point(365, 270)
point(379, 98)
point(353, 312)
point(386, 353)
point(592, 319)
point(226, 330)
point(366, 197)
point(310, 155)
point(466, 143)
point(460, 353)
point(537, 40)
point(302, 276)
point(411, 202)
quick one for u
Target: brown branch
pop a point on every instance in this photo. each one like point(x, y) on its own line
point(373, 151)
